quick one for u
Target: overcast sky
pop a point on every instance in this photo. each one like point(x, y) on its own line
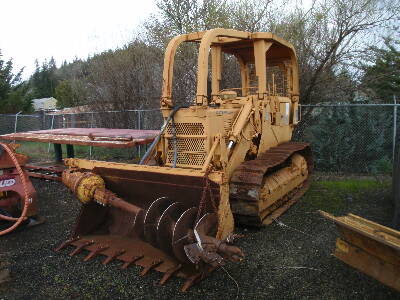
point(39, 29)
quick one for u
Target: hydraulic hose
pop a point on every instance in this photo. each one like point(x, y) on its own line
point(158, 137)
point(174, 140)
point(21, 173)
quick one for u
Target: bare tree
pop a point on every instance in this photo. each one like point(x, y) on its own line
point(329, 37)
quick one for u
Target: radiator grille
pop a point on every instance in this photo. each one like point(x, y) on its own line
point(187, 158)
point(187, 128)
point(188, 144)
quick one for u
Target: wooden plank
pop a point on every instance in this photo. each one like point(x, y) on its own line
point(373, 266)
point(374, 247)
point(372, 230)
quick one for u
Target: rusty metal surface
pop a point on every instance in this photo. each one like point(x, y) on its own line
point(107, 225)
point(247, 181)
point(50, 171)
point(369, 247)
point(134, 251)
point(18, 197)
point(186, 210)
point(100, 137)
point(7, 162)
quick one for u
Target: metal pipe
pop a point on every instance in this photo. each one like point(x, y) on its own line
point(51, 127)
point(349, 105)
point(91, 126)
point(58, 152)
point(158, 137)
point(139, 149)
point(394, 127)
point(15, 123)
point(106, 197)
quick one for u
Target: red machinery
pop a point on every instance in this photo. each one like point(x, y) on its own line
point(18, 198)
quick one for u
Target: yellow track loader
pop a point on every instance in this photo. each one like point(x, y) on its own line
point(227, 156)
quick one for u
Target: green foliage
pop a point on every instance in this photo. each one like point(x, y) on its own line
point(66, 94)
point(382, 77)
point(328, 37)
point(334, 195)
point(351, 139)
point(18, 99)
point(383, 165)
point(44, 79)
point(13, 93)
point(7, 78)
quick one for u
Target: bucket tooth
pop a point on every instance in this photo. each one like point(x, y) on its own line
point(131, 261)
point(94, 252)
point(113, 255)
point(191, 281)
point(66, 243)
point(169, 274)
point(195, 278)
point(152, 265)
point(80, 248)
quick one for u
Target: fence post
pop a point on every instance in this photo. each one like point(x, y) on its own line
point(15, 123)
point(394, 126)
point(139, 126)
point(43, 115)
point(51, 127)
point(91, 126)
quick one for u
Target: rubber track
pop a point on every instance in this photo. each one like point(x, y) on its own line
point(247, 179)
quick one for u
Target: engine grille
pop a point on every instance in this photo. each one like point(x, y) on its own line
point(186, 129)
point(190, 142)
point(187, 158)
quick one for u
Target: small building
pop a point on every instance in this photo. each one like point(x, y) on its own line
point(44, 104)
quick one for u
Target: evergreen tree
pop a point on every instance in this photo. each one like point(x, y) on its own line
point(13, 93)
point(7, 78)
point(382, 77)
point(356, 139)
point(69, 93)
point(44, 80)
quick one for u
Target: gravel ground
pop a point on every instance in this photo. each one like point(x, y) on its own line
point(291, 260)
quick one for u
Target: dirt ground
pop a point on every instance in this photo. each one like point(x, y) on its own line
point(290, 260)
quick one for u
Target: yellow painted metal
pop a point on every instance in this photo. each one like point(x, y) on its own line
point(275, 187)
point(83, 184)
point(217, 177)
point(87, 186)
point(283, 181)
point(369, 247)
point(222, 130)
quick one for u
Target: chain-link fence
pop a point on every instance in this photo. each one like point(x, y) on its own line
point(131, 119)
point(350, 138)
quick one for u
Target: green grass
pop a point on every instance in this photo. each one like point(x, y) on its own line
point(353, 185)
point(42, 152)
point(335, 196)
